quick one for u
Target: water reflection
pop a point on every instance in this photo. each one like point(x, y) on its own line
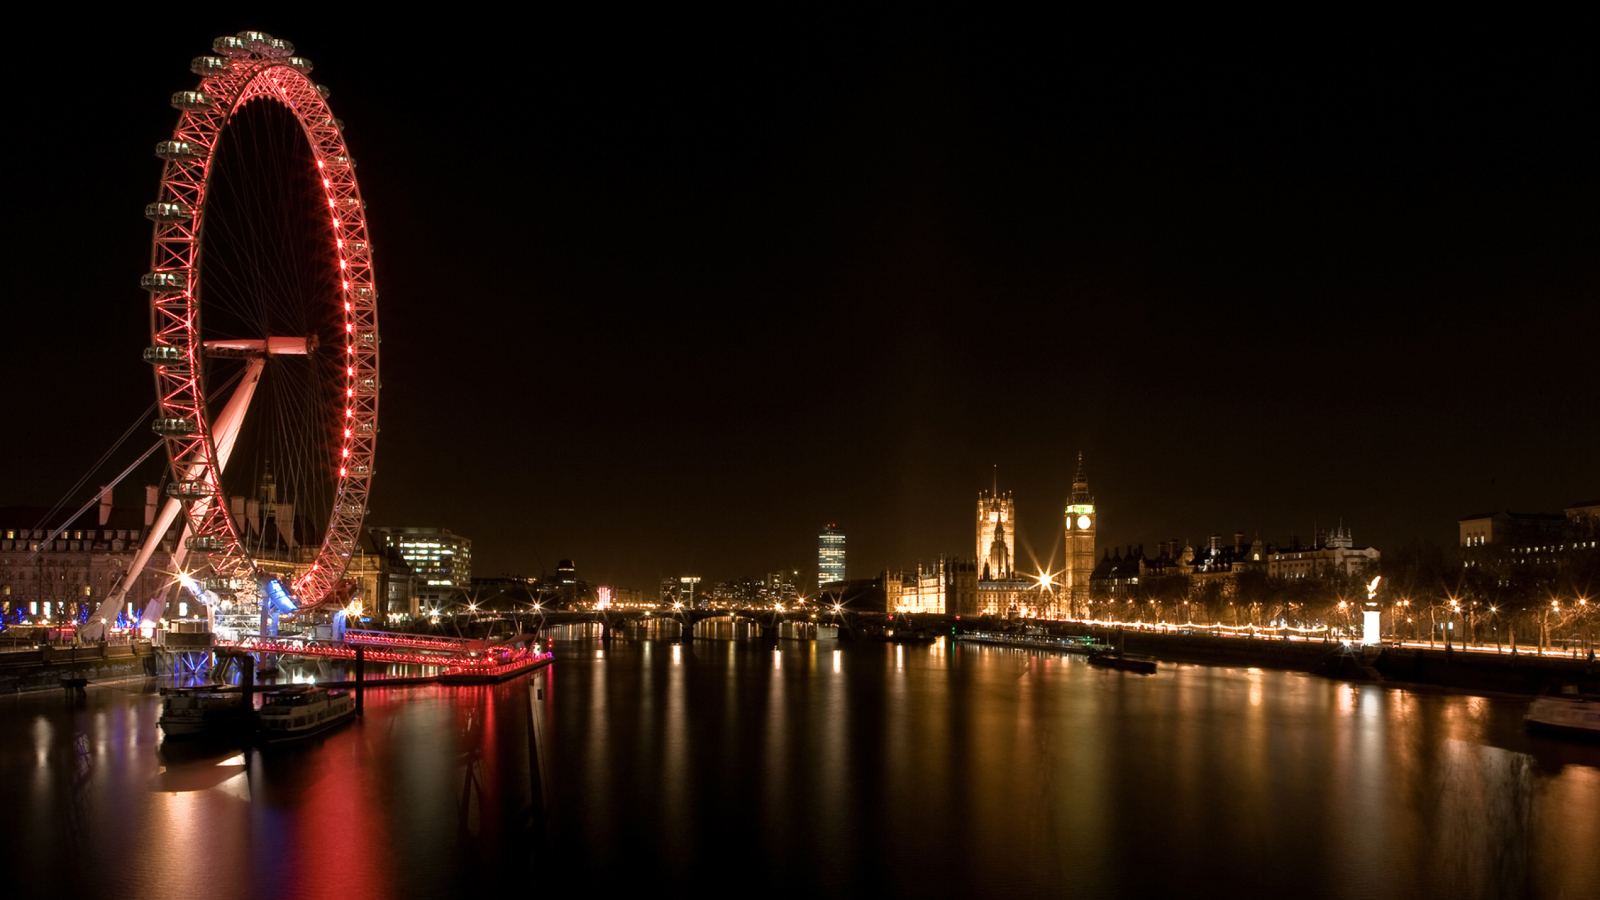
point(817, 768)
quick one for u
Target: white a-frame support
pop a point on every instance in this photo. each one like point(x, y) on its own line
point(225, 431)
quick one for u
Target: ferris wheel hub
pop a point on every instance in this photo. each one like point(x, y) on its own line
point(272, 346)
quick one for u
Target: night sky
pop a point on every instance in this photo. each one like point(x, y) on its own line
point(667, 295)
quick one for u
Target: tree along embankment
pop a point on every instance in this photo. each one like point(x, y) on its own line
point(1522, 673)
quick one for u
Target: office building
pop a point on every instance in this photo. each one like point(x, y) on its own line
point(830, 555)
point(441, 560)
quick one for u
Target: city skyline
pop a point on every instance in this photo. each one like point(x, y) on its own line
point(1192, 416)
point(856, 287)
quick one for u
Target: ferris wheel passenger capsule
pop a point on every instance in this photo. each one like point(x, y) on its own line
point(164, 353)
point(302, 65)
point(278, 48)
point(207, 66)
point(164, 281)
point(168, 212)
point(257, 40)
point(203, 543)
point(188, 490)
point(180, 151)
point(229, 45)
point(321, 88)
point(193, 101)
point(174, 426)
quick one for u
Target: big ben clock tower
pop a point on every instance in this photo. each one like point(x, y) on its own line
point(1081, 522)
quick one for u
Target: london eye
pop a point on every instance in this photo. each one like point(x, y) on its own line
point(263, 336)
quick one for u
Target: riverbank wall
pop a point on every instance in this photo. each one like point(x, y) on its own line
point(1522, 673)
point(39, 668)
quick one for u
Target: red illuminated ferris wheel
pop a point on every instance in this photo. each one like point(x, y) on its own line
point(264, 332)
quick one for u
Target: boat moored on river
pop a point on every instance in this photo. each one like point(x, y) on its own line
point(1125, 663)
point(302, 711)
point(206, 709)
point(1569, 714)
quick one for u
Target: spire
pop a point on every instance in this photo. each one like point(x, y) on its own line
point(1080, 484)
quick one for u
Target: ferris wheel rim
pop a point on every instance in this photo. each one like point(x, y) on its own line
point(256, 68)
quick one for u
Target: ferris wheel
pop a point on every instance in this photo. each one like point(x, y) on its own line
point(264, 334)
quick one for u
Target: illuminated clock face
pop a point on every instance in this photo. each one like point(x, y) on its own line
point(1083, 521)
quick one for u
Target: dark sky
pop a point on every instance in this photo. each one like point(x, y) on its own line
point(666, 295)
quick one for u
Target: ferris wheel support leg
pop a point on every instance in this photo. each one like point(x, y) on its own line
point(226, 431)
point(94, 630)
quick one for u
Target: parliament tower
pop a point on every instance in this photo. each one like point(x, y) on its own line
point(997, 535)
point(1081, 522)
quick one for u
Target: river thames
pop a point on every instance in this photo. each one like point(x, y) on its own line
point(816, 768)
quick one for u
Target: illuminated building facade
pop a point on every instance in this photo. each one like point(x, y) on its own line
point(441, 560)
point(830, 555)
point(1177, 571)
point(1540, 542)
point(1335, 553)
point(781, 587)
point(947, 587)
point(689, 590)
point(630, 598)
point(54, 581)
point(1081, 521)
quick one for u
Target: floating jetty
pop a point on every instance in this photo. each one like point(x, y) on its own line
point(495, 674)
point(460, 661)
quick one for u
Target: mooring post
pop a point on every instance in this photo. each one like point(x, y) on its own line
point(361, 681)
point(247, 680)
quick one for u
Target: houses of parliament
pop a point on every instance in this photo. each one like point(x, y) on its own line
point(989, 583)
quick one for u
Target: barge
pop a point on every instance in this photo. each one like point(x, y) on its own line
point(206, 709)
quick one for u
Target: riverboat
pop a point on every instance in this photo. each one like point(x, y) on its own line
point(1083, 645)
point(1569, 714)
point(303, 710)
point(205, 709)
point(1123, 663)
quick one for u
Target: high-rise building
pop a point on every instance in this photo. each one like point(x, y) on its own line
point(997, 534)
point(441, 560)
point(1081, 520)
point(689, 590)
point(830, 555)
